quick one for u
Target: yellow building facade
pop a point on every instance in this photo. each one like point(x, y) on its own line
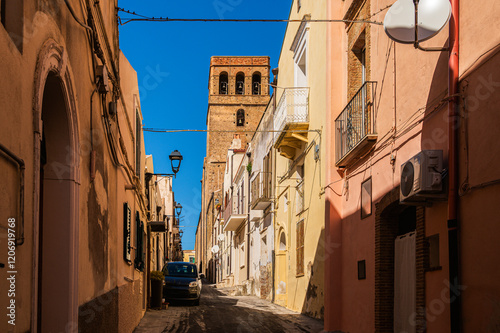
point(300, 169)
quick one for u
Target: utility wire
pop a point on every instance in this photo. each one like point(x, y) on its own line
point(143, 18)
point(157, 130)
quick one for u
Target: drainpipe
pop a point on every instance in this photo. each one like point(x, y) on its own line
point(21, 166)
point(248, 220)
point(453, 126)
point(273, 211)
point(148, 266)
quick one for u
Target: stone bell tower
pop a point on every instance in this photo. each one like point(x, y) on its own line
point(238, 89)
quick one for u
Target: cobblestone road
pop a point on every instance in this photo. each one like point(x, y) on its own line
point(233, 314)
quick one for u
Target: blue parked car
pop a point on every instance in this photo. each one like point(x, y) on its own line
point(182, 282)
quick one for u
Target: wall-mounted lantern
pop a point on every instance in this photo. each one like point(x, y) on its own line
point(175, 160)
point(178, 209)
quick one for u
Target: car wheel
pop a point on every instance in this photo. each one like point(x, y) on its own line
point(197, 302)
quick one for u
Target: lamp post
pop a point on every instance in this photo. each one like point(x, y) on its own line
point(175, 160)
point(178, 209)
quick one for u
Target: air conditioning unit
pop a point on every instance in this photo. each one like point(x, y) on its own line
point(421, 178)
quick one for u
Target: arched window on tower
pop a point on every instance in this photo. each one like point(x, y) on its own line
point(223, 84)
point(256, 84)
point(240, 117)
point(240, 84)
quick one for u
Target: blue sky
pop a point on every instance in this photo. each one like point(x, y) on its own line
point(172, 62)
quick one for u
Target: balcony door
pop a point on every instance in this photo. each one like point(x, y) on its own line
point(298, 98)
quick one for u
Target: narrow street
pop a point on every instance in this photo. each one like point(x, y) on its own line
point(221, 313)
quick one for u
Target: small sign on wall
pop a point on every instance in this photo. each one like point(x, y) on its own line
point(127, 228)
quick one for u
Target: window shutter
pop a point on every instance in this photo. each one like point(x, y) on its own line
point(300, 247)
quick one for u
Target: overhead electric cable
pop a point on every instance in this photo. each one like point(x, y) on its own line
point(159, 130)
point(143, 18)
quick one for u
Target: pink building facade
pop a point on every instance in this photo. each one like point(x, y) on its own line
point(388, 102)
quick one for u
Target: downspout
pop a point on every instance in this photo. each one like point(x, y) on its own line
point(273, 202)
point(147, 266)
point(148, 243)
point(453, 127)
point(214, 265)
point(204, 227)
point(248, 220)
point(273, 211)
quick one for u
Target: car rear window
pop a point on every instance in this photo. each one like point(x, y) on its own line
point(180, 270)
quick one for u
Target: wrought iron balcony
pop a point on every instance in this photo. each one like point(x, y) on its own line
point(261, 190)
point(235, 213)
point(292, 113)
point(355, 126)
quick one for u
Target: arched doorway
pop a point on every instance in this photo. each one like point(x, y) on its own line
point(399, 271)
point(281, 270)
point(54, 285)
point(55, 236)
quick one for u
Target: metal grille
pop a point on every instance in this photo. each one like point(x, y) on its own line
point(356, 120)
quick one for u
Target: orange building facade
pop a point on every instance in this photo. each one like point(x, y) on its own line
point(72, 167)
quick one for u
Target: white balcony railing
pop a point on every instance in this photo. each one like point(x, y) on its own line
point(293, 107)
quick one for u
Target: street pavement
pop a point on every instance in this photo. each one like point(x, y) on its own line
point(219, 312)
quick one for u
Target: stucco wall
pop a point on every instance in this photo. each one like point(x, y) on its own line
point(97, 221)
point(411, 115)
point(304, 293)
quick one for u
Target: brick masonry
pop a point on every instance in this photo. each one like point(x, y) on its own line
point(386, 231)
point(358, 38)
